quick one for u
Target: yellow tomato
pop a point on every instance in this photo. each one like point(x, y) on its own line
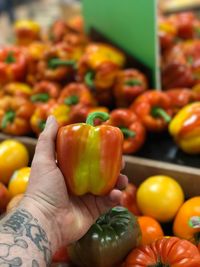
point(13, 155)
point(19, 181)
point(160, 197)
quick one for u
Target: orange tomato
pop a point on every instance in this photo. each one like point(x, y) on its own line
point(19, 181)
point(4, 197)
point(14, 202)
point(151, 230)
point(181, 226)
point(13, 155)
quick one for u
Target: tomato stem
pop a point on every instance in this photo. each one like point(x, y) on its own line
point(7, 118)
point(97, 115)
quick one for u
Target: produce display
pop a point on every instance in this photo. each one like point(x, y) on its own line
point(105, 109)
point(153, 225)
point(60, 71)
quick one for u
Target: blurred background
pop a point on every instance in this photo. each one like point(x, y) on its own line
point(43, 11)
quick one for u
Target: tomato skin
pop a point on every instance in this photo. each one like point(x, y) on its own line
point(160, 197)
point(128, 199)
point(13, 155)
point(172, 252)
point(181, 226)
point(151, 230)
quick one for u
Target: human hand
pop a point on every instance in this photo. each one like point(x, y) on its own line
point(70, 216)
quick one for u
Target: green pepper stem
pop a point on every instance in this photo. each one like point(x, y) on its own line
point(159, 112)
point(127, 133)
point(41, 125)
point(97, 115)
point(43, 97)
point(71, 100)
point(10, 58)
point(56, 62)
point(7, 118)
point(133, 82)
point(89, 79)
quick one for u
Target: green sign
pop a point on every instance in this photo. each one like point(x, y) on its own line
point(130, 24)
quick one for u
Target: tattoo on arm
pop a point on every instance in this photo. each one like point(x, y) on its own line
point(22, 227)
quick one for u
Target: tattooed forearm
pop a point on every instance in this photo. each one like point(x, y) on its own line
point(21, 230)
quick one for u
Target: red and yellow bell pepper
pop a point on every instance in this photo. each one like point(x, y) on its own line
point(154, 110)
point(17, 89)
point(167, 32)
point(128, 85)
point(58, 63)
point(15, 114)
point(39, 117)
point(180, 97)
point(13, 62)
point(44, 91)
point(61, 113)
point(26, 31)
point(90, 157)
point(133, 130)
point(185, 128)
point(76, 93)
point(99, 65)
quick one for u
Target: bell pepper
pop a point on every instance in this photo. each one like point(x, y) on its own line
point(133, 130)
point(44, 91)
point(187, 24)
point(185, 128)
point(39, 117)
point(167, 32)
point(13, 62)
point(35, 53)
point(180, 98)
point(58, 30)
point(108, 241)
point(15, 114)
point(80, 112)
point(154, 110)
point(90, 150)
point(59, 111)
point(17, 89)
point(99, 65)
point(128, 85)
point(26, 31)
point(76, 93)
point(58, 63)
point(181, 67)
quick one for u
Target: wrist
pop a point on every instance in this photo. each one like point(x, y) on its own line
point(45, 218)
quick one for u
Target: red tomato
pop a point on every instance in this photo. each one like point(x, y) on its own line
point(151, 230)
point(169, 252)
point(128, 199)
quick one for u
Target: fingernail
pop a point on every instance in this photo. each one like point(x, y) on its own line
point(49, 121)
